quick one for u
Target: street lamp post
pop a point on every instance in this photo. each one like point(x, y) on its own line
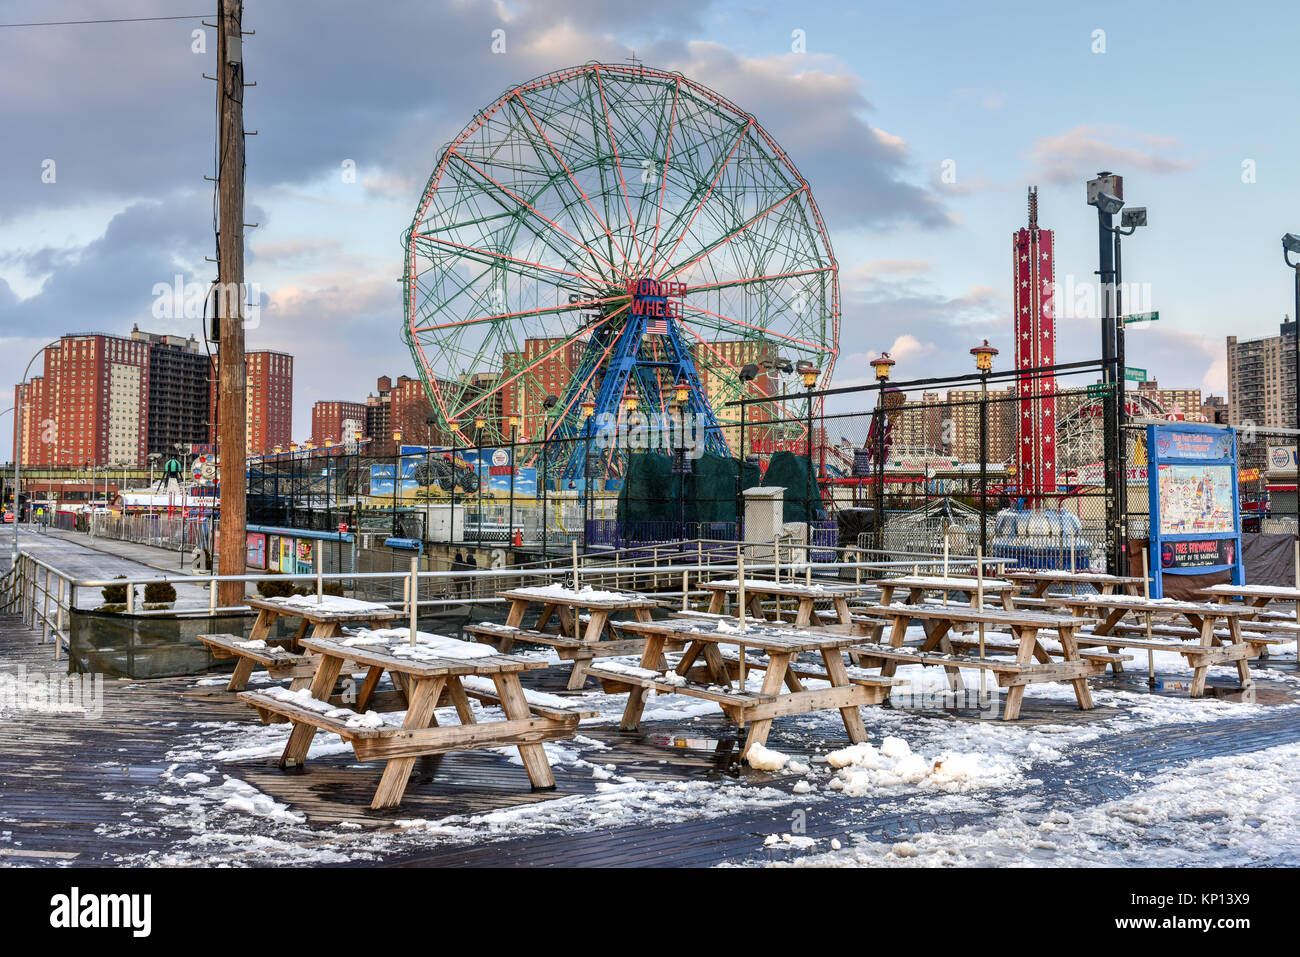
point(881, 366)
point(479, 424)
point(747, 374)
point(454, 427)
point(513, 419)
point(1106, 192)
point(984, 364)
point(428, 474)
point(681, 465)
point(548, 407)
point(1291, 244)
point(809, 375)
point(588, 410)
point(397, 473)
point(18, 441)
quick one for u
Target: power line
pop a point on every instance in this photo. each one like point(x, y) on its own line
point(65, 23)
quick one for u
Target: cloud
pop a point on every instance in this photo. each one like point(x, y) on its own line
point(1080, 152)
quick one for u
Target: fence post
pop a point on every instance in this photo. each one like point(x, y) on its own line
point(45, 608)
point(58, 629)
point(415, 594)
point(130, 597)
point(212, 596)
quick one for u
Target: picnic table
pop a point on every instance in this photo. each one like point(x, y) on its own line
point(1216, 645)
point(566, 606)
point(805, 595)
point(920, 585)
point(1029, 663)
point(1040, 580)
point(704, 672)
point(436, 671)
point(283, 657)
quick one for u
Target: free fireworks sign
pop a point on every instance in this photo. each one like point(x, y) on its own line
point(1195, 512)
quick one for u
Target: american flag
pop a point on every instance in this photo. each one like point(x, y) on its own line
point(657, 327)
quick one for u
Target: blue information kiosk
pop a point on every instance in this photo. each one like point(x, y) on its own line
point(1195, 512)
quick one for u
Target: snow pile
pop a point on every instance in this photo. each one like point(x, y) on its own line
point(1230, 811)
point(764, 759)
point(863, 769)
point(255, 644)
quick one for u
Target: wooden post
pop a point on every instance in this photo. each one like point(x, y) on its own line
point(232, 402)
point(415, 594)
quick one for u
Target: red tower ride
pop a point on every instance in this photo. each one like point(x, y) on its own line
point(1035, 328)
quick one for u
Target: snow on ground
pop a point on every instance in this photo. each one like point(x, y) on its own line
point(924, 759)
point(1229, 811)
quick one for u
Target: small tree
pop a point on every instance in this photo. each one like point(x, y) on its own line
point(114, 594)
point(159, 593)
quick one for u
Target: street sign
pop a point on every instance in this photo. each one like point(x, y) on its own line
point(1142, 317)
point(1135, 375)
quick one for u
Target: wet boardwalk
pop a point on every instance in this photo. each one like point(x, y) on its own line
point(91, 789)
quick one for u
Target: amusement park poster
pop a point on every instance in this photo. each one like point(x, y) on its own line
point(1194, 506)
point(1195, 499)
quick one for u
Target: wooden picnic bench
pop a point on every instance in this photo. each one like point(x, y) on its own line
point(283, 657)
point(805, 597)
point(1038, 581)
point(781, 693)
point(1032, 663)
point(1203, 618)
point(573, 641)
point(436, 677)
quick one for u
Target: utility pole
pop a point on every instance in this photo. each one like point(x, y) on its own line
point(232, 371)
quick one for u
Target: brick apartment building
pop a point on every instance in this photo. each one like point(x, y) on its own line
point(336, 421)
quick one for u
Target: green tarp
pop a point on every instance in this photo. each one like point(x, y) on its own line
point(651, 492)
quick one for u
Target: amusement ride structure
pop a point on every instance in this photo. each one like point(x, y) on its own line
point(606, 239)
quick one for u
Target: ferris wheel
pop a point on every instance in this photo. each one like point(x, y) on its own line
point(610, 233)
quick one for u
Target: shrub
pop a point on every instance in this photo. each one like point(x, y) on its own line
point(270, 588)
point(161, 593)
point(114, 594)
point(333, 588)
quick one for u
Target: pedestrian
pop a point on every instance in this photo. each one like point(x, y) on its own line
point(471, 564)
point(457, 565)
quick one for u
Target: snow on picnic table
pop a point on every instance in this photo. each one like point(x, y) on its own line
point(397, 642)
point(333, 603)
point(584, 594)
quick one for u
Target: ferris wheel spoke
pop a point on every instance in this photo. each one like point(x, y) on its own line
point(748, 280)
point(522, 314)
point(507, 262)
point(573, 179)
point(618, 166)
point(713, 183)
point(708, 250)
point(550, 222)
point(663, 185)
point(542, 357)
point(725, 322)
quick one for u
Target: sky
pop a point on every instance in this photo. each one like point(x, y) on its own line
point(917, 126)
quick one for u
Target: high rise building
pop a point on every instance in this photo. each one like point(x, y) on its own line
point(90, 406)
point(1184, 402)
point(180, 389)
point(337, 421)
point(270, 401)
point(1261, 379)
point(1035, 330)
